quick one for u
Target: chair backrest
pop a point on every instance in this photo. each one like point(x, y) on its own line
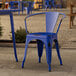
point(51, 20)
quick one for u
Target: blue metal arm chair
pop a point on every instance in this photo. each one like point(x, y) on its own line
point(46, 38)
point(12, 5)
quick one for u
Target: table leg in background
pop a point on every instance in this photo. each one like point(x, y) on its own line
point(13, 35)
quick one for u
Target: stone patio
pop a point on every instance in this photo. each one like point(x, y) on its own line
point(8, 66)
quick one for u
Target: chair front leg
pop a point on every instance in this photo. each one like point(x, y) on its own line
point(58, 53)
point(40, 49)
point(48, 46)
point(26, 46)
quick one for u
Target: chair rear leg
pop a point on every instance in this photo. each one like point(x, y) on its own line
point(40, 49)
point(58, 53)
point(49, 54)
point(26, 46)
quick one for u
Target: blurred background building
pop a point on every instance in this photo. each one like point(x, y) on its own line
point(65, 3)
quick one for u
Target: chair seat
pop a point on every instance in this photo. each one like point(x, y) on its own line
point(42, 35)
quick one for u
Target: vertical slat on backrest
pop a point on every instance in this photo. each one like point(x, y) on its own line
point(51, 19)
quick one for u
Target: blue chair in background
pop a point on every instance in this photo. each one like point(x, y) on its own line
point(28, 8)
point(56, 5)
point(47, 5)
point(52, 3)
point(46, 38)
point(13, 6)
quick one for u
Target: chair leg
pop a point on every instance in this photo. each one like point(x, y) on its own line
point(40, 49)
point(58, 53)
point(26, 46)
point(49, 54)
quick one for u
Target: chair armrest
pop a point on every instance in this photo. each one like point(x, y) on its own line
point(61, 21)
point(33, 15)
point(30, 16)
